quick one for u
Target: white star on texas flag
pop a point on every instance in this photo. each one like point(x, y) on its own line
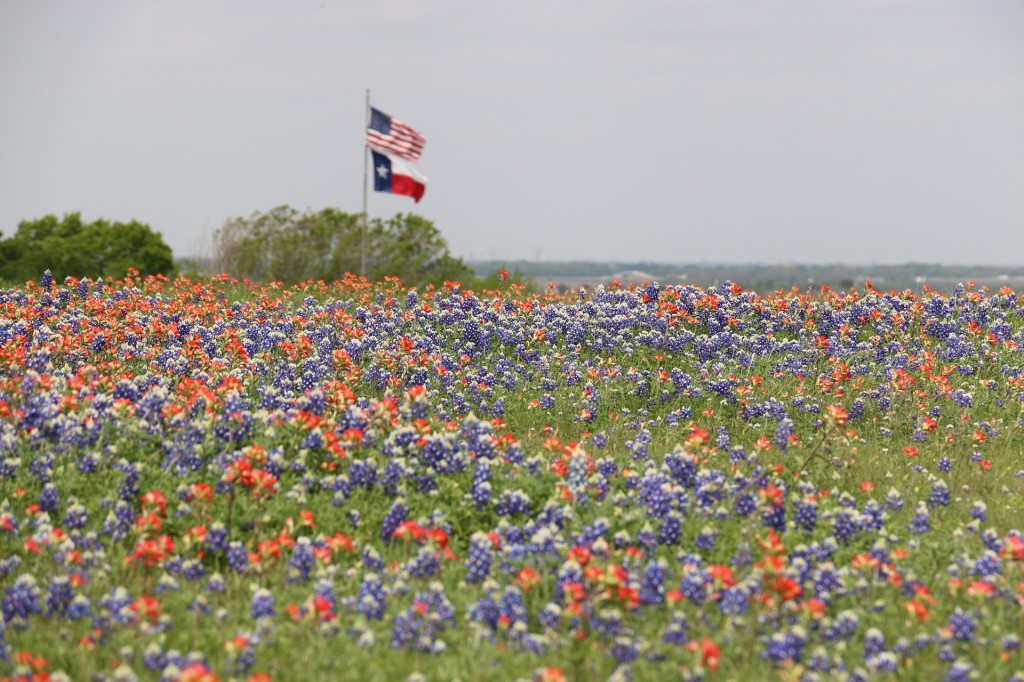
point(382, 171)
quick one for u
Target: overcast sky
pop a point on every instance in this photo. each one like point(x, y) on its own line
point(776, 131)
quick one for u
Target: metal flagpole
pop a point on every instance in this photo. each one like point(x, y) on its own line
point(366, 180)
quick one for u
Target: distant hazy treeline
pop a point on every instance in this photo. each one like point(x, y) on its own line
point(765, 277)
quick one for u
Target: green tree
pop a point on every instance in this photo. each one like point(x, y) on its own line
point(69, 246)
point(412, 248)
point(284, 245)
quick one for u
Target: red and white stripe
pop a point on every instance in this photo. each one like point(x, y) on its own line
point(403, 141)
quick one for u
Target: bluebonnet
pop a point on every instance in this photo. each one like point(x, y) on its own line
point(419, 627)
point(216, 537)
point(939, 495)
point(706, 539)
point(677, 630)
point(478, 559)
point(49, 498)
point(874, 642)
point(480, 488)
point(805, 514)
point(962, 625)
point(959, 671)
point(238, 558)
point(395, 516)
point(920, 523)
point(302, 560)
point(372, 600)
point(652, 582)
point(844, 525)
point(21, 600)
point(79, 607)
point(576, 477)
point(785, 646)
point(425, 564)
point(262, 604)
point(512, 502)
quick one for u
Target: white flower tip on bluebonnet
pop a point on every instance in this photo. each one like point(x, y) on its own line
point(123, 673)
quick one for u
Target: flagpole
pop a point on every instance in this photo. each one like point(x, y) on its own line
point(366, 215)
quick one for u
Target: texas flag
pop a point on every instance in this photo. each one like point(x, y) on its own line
point(396, 176)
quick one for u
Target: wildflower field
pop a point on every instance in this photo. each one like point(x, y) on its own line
point(211, 480)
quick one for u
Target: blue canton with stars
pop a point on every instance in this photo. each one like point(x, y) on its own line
point(381, 172)
point(380, 122)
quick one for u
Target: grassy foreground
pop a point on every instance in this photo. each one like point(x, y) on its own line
point(214, 480)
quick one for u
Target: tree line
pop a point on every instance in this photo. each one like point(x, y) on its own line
point(765, 278)
point(279, 245)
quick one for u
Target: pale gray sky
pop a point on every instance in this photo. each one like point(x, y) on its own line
point(857, 131)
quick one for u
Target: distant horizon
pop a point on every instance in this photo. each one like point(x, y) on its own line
point(708, 264)
point(745, 263)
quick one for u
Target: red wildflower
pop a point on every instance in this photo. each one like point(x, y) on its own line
point(771, 494)
point(773, 545)
point(36, 663)
point(148, 523)
point(236, 643)
point(341, 541)
point(324, 608)
point(628, 595)
point(866, 561)
point(697, 436)
point(1013, 547)
point(981, 588)
point(787, 588)
point(197, 672)
point(146, 607)
point(527, 578)
point(199, 491)
point(917, 610)
point(575, 591)
point(580, 554)
point(550, 673)
point(837, 414)
point(710, 654)
point(155, 498)
point(722, 574)
point(152, 552)
point(815, 608)
point(409, 530)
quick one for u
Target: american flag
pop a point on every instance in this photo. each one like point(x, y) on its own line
point(391, 135)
